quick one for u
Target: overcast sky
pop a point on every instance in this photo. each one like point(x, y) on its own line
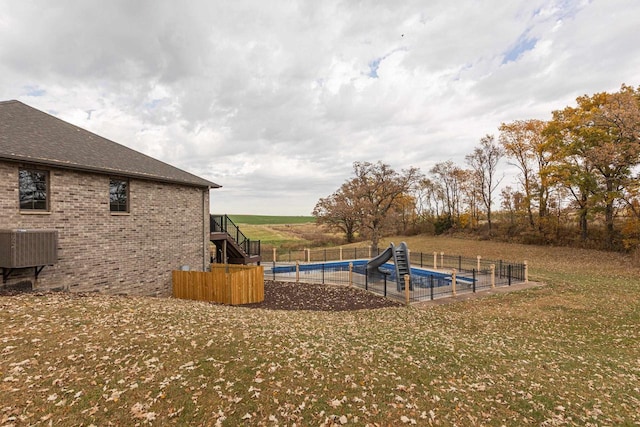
point(275, 100)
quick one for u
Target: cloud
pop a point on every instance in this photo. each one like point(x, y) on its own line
point(276, 100)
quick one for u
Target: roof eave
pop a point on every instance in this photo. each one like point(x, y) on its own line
point(104, 171)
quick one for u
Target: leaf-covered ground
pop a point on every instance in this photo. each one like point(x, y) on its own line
point(564, 354)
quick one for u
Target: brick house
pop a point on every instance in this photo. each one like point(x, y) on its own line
point(123, 219)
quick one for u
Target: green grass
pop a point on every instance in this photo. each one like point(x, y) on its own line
point(268, 219)
point(563, 354)
point(275, 235)
point(284, 232)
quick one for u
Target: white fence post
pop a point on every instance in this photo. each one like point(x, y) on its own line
point(453, 282)
point(493, 276)
point(407, 281)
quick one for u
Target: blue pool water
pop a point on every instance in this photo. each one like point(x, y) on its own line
point(359, 267)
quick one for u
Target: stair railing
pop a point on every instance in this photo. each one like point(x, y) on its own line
point(224, 224)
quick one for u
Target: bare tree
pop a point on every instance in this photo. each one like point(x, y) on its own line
point(448, 175)
point(484, 162)
point(523, 141)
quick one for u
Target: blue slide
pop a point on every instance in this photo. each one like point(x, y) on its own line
point(400, 257)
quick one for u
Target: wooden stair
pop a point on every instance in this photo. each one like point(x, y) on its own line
point(232, 246)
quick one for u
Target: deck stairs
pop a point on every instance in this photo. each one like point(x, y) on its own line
point(232, 246)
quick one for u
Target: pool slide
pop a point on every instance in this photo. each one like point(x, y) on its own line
point(400, 257)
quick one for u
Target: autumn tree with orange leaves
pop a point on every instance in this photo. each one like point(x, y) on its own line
point(578, 183)
point(369, 201)
point(597, 145)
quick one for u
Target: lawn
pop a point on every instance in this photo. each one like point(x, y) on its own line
point(290, 236)
point(279, 231)
point(564, 354)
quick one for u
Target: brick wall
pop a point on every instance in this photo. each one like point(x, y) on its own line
point(130, 253)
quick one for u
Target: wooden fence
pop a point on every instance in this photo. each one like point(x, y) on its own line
point(225, 283)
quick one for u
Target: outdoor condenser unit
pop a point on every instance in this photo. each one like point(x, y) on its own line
point(27, 248)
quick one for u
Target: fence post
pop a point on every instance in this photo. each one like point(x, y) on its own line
point(509, 273)
point(350, 271)
point(453, 282)
point(441, 259)
point(297, 271)
point(473, 277)
point(493, 276)
point(273, 270)
point(227, 279)
point(479, 258)
point(431, 285)
point(526, 271)
point(274, 254)
point(385, 285)
point(435, 260)
point(308, 254)
point(340, 253)
point(407, 279)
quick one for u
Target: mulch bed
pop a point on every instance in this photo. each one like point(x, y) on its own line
point(287, 296)
point(316, 297)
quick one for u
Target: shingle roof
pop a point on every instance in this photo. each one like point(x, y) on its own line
point(30, 135)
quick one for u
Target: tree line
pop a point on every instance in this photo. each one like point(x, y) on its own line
point(578, 184)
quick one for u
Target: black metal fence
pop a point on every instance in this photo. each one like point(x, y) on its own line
point(506, 271)
point(452, 275)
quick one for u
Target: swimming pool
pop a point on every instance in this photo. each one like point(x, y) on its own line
point(420, 277)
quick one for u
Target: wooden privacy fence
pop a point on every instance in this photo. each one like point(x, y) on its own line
point(225, 283)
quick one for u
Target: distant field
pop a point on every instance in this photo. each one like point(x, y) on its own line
point(289, 236)
point(286, 232)
point(278, 231)
point(269, 219)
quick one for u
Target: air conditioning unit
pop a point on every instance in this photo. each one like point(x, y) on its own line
point(28, 248)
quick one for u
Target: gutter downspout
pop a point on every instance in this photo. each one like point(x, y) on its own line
point(205, 246)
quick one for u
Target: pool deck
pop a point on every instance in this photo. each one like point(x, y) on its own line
point(465, 296)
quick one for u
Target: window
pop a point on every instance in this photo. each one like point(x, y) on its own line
point(118, 195)
point(33, 189)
